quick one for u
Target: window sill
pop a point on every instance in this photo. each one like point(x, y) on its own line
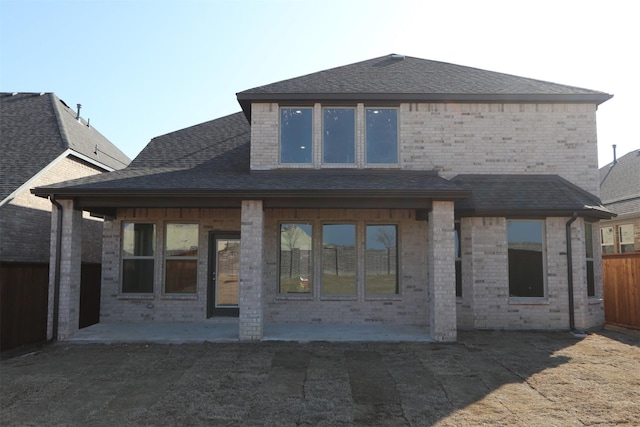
point(295, 296)
point(179, 297)
point(339, 298)
point(528, 301)
point(383, 298)
point(595, 301)
point(136, 296)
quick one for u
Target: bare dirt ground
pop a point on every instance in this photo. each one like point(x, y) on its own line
point(486, 378)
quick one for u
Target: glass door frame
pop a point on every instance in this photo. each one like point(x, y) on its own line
point(212, 310)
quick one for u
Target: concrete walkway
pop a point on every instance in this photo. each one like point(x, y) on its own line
point(194, 332)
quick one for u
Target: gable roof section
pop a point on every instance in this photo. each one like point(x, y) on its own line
point(620, 184)
point(402, 78)
point(526, 196)
point(36, 129)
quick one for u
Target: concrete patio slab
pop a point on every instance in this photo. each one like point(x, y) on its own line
point(227, 331)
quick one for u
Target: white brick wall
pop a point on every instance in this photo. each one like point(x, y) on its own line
point(467, 138)
point(116, 307)
point(410, 307)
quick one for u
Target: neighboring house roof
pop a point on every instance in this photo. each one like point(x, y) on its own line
point(38, 128)
point(526, 195)
point(620, 184)
point(403, 78)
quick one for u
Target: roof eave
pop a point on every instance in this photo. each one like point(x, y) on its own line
point(246, 98)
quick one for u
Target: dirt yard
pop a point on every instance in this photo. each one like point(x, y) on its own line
point(486, 378)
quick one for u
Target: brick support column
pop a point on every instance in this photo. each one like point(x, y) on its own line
point(68, 304)
point(442, 273)
point(251, 278)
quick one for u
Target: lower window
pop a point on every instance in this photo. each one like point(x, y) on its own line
point(381, 260)
point(526, 258)
point(296, 243)
point(138, 250)
point(181, 259)
point(588, 243)
point(339, 259)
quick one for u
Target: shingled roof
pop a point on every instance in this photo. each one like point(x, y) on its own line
point(211, 160)
point(526, 195)
point(404, 78)
point(37, 128)
point(620, 184)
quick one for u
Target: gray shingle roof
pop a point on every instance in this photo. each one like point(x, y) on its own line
point(214, 157)
point(620, 184)
point(526, 195)
point(415, 79)
point(37, 128)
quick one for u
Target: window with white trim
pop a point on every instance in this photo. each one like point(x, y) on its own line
point(626, 238)
point(607, 238)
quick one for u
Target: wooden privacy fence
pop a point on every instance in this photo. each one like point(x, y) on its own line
point(23, 304)
point(621, 280)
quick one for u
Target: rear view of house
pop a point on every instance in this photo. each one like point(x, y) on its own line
point(394, 190)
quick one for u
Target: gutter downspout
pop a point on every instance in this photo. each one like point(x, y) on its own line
point(58, 262)
point(572, 325)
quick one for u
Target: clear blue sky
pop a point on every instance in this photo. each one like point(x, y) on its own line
point(143, 68)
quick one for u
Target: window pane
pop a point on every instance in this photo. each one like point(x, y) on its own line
point(295, 135)
point(588, 239)
point(339, 135)
point(456, 236)
point(339, 259)
point(182, 240)
point(296, 244)
point(137, 276)
point(382, 135)
point(526, 269)
point(591, 283)
point(138, 239)
point(381, 260)
point(181, 276)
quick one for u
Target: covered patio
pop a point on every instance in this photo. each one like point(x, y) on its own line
point(228, 331)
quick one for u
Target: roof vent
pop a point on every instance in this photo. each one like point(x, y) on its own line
point(397, 56)
point(78, 115)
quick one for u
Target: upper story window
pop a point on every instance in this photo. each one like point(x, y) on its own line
point(339, 135)
point(381, 135)
point(526, 258)
point(296, 135)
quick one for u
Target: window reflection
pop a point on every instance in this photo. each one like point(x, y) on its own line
point(381, 260)
point(339, 259)
point(296, 243)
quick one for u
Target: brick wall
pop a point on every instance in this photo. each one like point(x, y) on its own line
point(410, 307)
point(25, 221)
point(467, 138)
point(116, 307)
point(485, 302)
